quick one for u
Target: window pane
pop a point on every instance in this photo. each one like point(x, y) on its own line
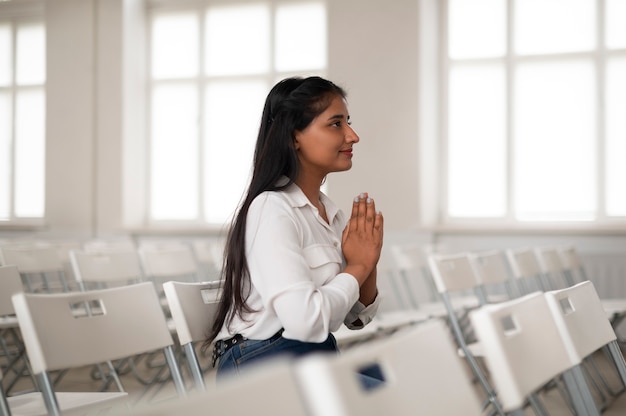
point(300, 37)
point(5, 156)
point(30, 153)
point(554, 171)
point(616, 137)
point(477, 28)
point(175, 46)
point(174, 152)
point(5, 55)
point(237, 40)
point(31, 54)
point(233, 110)
point(477, 142)
point(615, 27)
point(554, 26)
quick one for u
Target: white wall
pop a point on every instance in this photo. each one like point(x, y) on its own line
point(373, 53)
point(93, 116)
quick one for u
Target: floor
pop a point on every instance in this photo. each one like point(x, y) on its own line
point(85, 379)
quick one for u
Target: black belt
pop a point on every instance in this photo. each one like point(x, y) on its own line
point(224, 345)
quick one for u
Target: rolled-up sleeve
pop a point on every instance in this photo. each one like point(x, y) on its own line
point(301, 284)
point(361, 315)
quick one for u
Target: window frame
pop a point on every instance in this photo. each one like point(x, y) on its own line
point(16, 15)
point(201, 80)
point(599, 56)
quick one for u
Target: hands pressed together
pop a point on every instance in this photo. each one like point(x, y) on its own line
point(362, 239)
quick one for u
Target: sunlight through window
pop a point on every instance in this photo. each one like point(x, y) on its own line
point(555, 172)
point(211, 70)
point(237, 39)
point(477, 137)
point(477, 28)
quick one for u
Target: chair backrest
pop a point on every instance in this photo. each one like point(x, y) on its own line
point(572, 263)
point(453, 272)
point(114, 266)
point(552, 267)
point(409, 264)
point(421, 371)
point(493, 271)
point(10, 283)
point(526, 270)
point(120, 322)
point(193, 307)
point(522, 346)
point(209, 255)
point(581, 319)
point(35, 259)
point(169, 262)
point(44, 261)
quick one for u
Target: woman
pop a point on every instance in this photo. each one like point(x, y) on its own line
point(293, 271)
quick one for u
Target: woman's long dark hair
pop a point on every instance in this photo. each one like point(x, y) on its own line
point(290, 106)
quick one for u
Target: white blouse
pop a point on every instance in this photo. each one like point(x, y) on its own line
point(295, 262)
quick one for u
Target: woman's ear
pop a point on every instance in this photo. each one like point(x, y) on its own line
point(296, 142)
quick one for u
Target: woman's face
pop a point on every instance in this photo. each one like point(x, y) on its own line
point(325, 145)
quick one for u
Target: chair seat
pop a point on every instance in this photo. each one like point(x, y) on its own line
point(31, 404)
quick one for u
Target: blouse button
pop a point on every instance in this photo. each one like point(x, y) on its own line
point(336, 244)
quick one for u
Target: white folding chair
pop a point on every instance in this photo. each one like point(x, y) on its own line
point(11, 346)
point(421, 370)
point(99, 270)
point(165, 262)
point(582, 323)
point(454, 274)
point(552, 268)
point(105, 269)
point(392, 315)
point(413, 282)
point(209, 255)
point(524, 350)
point(117, 323)
point(37, 262)
point(526, 270)
point(267, 388)
point(494, 277)
point(193, 307)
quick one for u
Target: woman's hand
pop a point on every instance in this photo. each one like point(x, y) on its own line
point(362, 239)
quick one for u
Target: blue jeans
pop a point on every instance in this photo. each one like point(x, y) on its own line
point(251, 351)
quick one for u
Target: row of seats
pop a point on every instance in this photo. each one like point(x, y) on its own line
point(526, 342)
point(95, 265)
point(468, 273)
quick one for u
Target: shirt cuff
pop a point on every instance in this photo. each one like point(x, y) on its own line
point(361, 315)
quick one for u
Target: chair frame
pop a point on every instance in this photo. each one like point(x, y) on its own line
point(454, 273)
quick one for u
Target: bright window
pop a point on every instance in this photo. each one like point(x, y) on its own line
point(22, 119)
point(211, 67)
point(524, 133)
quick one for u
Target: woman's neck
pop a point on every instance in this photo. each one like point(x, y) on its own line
point(311, 189)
